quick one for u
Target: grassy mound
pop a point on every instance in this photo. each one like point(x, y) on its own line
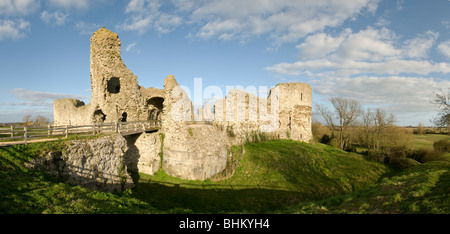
point(419, 189)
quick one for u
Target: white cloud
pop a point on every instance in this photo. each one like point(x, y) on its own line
point(69, 3)
point(444, 48)
point(369, 51)
point(87, 28)
point(409, 98)
point(39, 98)
point(145, 15)
point(375, 90)
point(17, 7)
point(13, 29)
point(57, 17)
point(132, 47)
point(281, 21)
point(420, 46)
point(284, 21)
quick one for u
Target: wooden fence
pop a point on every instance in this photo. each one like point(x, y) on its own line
point(124, 128)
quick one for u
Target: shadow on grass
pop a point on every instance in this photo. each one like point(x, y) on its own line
point(215, 199)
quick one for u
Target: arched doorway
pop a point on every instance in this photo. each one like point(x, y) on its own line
point(155, 106)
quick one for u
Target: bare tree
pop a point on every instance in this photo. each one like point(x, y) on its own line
point(442, 102)
point(328, 116)
point(382, 121)
point(41, 120)
point(368, 127)
point(376, 124)
point(27, 118)
point(346, 111)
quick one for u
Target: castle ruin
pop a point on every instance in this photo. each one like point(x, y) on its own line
point(182, 147)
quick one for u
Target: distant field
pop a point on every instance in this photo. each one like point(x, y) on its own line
point(426, 141)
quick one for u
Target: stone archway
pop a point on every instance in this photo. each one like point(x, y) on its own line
point(155, 106)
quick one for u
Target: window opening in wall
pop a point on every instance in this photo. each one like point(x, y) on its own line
point(99, 116)
point(113, 85)
point(124, 117)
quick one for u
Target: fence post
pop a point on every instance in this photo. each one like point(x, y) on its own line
point(117, 127)
point(48, 130)
point(25, 135)
point(12, 131)
point(67, 131)
point(93, 129)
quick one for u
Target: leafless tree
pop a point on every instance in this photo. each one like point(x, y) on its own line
point(346, 112)
point(40, 120)
point(442, 102)
point(27, 118)
point(382, 121)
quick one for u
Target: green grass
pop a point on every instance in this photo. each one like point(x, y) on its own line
point(426, 141)
point(281, 176)
point(422, 189)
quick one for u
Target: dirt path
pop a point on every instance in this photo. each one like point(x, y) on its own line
point(8, 143)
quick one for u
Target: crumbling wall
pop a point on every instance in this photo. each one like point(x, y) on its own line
point(70, 112)
point(116, 95)
point(190, 151)
point(96, 164)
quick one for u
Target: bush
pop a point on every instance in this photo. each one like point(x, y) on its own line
point(378, 156)
point(398, 157)
point(442, 146)
point(350, 148)
point(325, 139)
point(426, 155)
point(403, 162)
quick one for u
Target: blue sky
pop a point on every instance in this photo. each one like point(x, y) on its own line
point(388, 54)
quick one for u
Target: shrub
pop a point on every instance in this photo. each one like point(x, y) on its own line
point(377, 155)
point(350, 148)
point(403, 162)
point(325, 139)
point(442, 146)
point(426, 155)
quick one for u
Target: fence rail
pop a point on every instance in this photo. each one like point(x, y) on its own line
point(124, 128)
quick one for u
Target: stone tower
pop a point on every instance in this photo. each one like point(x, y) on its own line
point(116, 95)
point(295, 105)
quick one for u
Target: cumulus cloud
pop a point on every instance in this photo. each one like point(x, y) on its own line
point(69, 3)
point(369, 51)
point(13, 29)
point(145, 15)
point(87, 28)
point(281, 21)
point(38, 98)
point(409, 98)
point(444, 48)
point(56, 18)
point(18, 7)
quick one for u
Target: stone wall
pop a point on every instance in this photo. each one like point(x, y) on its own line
point(95, 164)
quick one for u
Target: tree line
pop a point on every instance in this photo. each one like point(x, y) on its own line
point(37, 120)
point(349, 124)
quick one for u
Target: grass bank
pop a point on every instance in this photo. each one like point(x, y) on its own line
point(279, 176)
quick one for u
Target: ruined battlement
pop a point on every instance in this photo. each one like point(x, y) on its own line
point(188, 151)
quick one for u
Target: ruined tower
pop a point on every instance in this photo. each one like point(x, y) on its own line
point(116, 95)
